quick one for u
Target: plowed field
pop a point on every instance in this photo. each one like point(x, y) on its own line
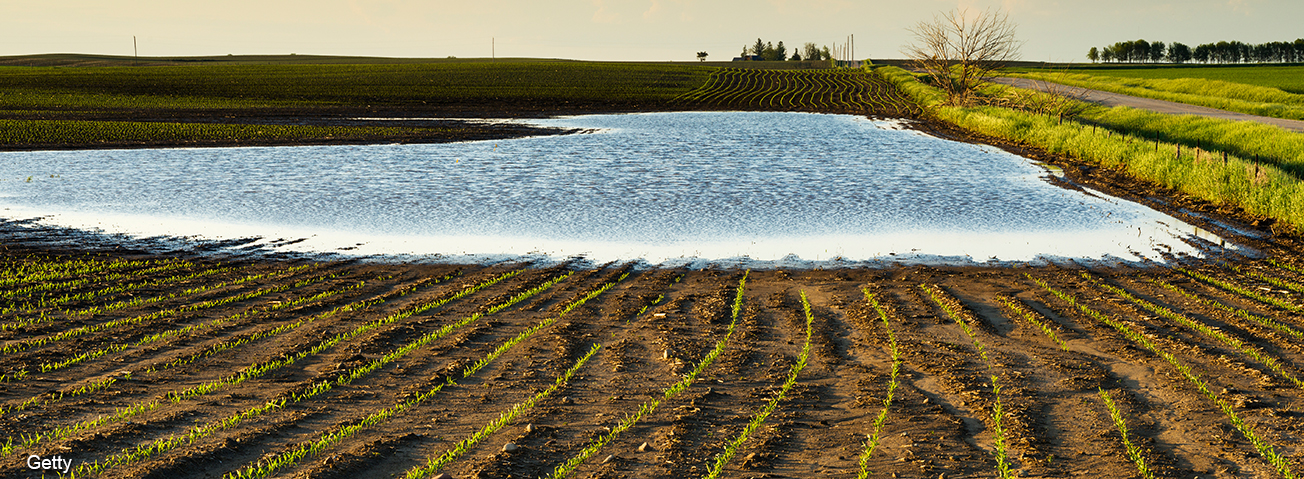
point(155, 366)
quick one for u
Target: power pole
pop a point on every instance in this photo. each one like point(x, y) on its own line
point(134, 50)
point(493, 48)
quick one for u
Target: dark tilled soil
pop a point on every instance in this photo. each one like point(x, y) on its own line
point(655, 326)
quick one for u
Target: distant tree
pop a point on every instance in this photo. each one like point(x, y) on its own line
point(768, 53)
point(825, 53)
point(1107, 55)
point(780, 52)
point(1156, 52)
point(1202, 53)
point(796, 56)
point(1179, 53)
point(744, 54)
point(1093, 55)
point(701, 56)
point(758, 48)
point(1140, 51)
point(810, 52)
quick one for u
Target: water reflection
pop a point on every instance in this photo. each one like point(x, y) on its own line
point(665, 187)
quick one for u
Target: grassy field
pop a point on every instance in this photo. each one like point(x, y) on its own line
point(1289, 78)
point(1179, 152)
point(1240, 97)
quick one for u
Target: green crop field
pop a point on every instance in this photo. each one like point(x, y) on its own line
point(245, 86)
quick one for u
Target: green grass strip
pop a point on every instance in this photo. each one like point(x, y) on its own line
point(1266, 321)
point(253, 371)
point(953, 309)
point(872, 441)
point(1265, 449)
point(1032, 317)
point(564, 469)
point(1262, 358)
point(730, 450)
point(1233, 287)
point(435, 464)
point(1133, 452)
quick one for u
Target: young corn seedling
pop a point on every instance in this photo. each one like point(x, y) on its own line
point(435, 464)
point(564, 469)
point(253, 371)
point(953, 309)
point(872, 443)
point(759, 418)
point(1265, 449)
point(1133, 452)
point(1036, 319)
point(1260, 357)
point(1264, 320)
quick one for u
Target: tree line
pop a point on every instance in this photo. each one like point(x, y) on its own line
point(766, 51)
point(1141, 51)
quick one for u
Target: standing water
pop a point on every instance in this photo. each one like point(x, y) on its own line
point(668, 188)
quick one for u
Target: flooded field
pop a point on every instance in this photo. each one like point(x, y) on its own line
point(1136, 346)
point(726, 188)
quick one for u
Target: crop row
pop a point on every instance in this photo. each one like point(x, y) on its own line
point(722, 459)
point(647, 408)
point(880, 420)
point(857, 91)
point(333, 437)
point(1264, 448)
point(262, 86)
point(253, 371)
point(954, 309)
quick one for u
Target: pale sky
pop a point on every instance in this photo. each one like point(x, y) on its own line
point(653, 30)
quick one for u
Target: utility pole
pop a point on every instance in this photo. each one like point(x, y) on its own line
point(134, 50)
point(493, 48)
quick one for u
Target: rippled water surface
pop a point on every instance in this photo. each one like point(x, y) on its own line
point(664, 187)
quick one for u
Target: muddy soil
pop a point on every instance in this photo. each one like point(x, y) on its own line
point(154, 368)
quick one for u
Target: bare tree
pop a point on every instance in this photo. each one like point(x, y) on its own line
point(960, 52)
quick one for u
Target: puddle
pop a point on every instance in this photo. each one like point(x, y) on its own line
point(726, 188)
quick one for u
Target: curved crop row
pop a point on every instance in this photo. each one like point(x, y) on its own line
point(859, 91)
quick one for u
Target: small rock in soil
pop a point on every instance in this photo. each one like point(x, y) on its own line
point(509, 447)
point(645, 447)
point(610, 457)
point(529, 428)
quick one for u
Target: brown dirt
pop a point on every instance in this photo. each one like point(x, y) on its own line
point(939, 423)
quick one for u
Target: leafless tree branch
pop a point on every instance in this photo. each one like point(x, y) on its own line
point(960, 52)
